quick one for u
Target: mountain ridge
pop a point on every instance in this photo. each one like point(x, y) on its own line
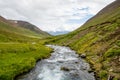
point(27, 25)
point(9, 30)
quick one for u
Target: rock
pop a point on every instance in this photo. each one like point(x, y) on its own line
point(83, 55)
point(60, 61)
point(65, 69)
point(76, 62)
point(110, 70)
point(83, 69)
point(110, 77)
point(90, 71)
point(33, 42)
point(75, 74)
point(119, 59)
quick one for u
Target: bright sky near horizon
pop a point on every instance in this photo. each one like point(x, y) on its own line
point(52, 15)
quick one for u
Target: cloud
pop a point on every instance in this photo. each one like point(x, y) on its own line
point(52, 15)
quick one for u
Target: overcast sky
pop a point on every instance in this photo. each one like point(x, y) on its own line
point(52, 15)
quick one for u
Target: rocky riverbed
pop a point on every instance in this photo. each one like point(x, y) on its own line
point(64, 64)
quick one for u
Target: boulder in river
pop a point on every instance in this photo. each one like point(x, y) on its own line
point(90, 70)
point(65, 69)
point(83, 55)
point(76, 62)
point(60, 61)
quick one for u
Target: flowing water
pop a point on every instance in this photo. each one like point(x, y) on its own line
point(64, 64)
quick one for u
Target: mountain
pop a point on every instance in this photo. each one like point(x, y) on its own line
point(99, 39)
point(30, 26)
point(12, 31)
point(58, 32)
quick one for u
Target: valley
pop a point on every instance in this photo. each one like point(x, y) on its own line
point(23, 49)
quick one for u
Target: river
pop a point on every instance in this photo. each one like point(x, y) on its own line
point(64, 64)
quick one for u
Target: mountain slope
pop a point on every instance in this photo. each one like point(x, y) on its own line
point(30, 26)
point(99, 39)
point(12, 32)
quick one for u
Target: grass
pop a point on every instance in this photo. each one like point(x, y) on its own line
point(112, 52)
point(103, 74)
point(17, 58)
point(10, 33)
point(7, 27)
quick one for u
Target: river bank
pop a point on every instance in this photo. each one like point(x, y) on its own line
point(64, 64)
point(18, 58)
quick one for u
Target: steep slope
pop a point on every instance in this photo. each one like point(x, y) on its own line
point(99, 39)
point(12, 32)
point(30, 26)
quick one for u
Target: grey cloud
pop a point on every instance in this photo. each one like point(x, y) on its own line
point(51, 15)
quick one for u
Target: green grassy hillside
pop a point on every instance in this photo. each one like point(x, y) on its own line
point(99, 39)
point(10, 34)
point(9, 30)
point(20, 48)
point(33, 28)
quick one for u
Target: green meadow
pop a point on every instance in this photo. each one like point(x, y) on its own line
point(17, 58)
